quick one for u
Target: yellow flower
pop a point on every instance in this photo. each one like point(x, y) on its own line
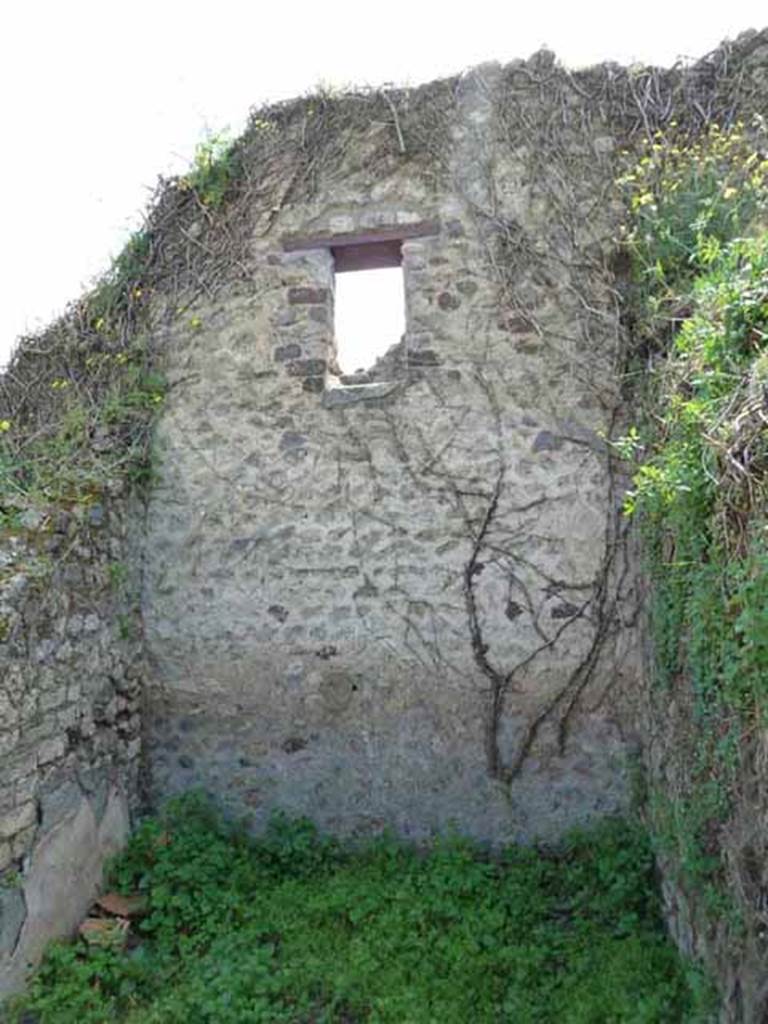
point(5, 425)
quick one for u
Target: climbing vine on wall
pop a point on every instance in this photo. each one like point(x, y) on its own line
point(684, 145)
point(698, 239)
point(77, 400)
point(76, 404)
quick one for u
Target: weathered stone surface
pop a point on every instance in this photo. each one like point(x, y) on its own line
point(17, 820)
point(307, 296)
point(67, 737)
point(60, 881)
point(320, 591)
point(387, 599)
point(285, 352)
point(13, 911)
point(351, 394)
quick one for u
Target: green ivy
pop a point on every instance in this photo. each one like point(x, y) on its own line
point(700, 312)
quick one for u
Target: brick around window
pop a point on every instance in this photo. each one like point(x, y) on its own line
point(307, 296)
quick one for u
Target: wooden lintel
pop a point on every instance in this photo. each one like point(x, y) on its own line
point(367, 256)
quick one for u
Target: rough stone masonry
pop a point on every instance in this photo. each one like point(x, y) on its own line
point(385, 600)
point(396, 599)
point(70, 694)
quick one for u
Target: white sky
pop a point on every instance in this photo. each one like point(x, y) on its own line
point(100, 96)
point(361, 337)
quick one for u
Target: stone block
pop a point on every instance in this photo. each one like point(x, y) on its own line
point(13, 912)
point(58, 802)
point(7, 798)
point(307, 367)
point(51, 750)
point(25, 787)
point(61, 879)
point(68, 717)
point(9, 715)
point(22, 842)
point(19, 818)
point(9, 738)
point(6, 854)
point(285, 353)
point(352, 394)
point(55, 698)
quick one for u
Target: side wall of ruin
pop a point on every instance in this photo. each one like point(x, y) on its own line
point(70, 695)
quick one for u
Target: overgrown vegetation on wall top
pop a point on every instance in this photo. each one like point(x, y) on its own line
point(698, 238)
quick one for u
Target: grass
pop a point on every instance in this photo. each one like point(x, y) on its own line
point(299, 928)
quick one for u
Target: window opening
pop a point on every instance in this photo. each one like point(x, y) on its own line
point(369, 313)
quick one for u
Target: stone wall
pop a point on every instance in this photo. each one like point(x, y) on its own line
point(70, 657)
point(395, 599)
point(390, 601)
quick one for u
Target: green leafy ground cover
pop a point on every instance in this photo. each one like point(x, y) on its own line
point(298, 928)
